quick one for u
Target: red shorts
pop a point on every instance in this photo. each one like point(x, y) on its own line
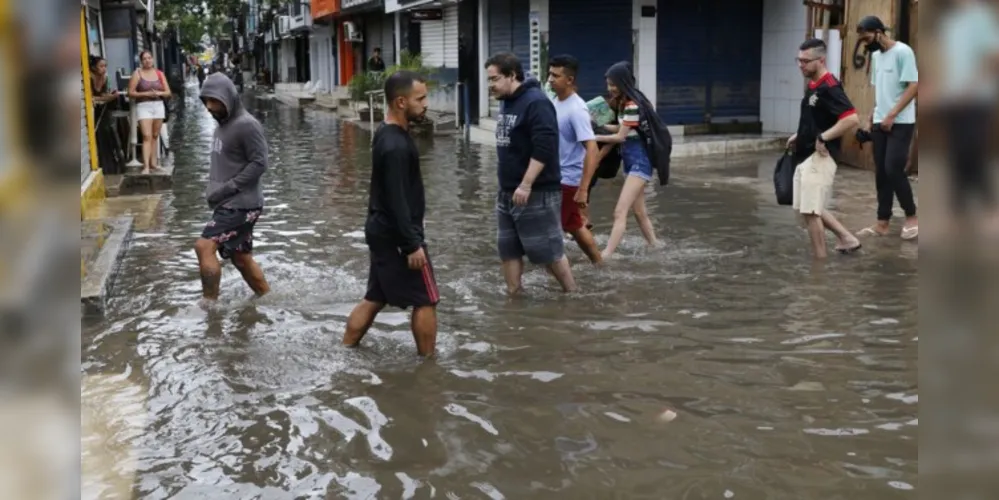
point(572, 219)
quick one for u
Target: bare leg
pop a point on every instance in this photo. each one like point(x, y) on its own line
point(211, 269)
point(642, 217)
point(154, 157)
point(847, 240)
point(424, 324)
point(252, 274)
point(513, 270)
point(560, 269)
point(360, 321)
point(584, 238)
point(817, 234)
point(632, 189)
point(146, 127)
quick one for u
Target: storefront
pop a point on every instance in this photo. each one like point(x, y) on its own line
point(509, 28)
point(709, 61)
point(363, 26)
point(322, 40)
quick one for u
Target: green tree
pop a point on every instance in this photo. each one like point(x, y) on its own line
point(195, 18)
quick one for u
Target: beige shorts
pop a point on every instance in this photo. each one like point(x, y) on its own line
point(813, 183)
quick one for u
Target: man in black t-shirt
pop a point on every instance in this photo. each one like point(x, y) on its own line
point(400, 273)
point(826, 115)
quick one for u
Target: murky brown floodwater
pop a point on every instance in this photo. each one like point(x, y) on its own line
point(791, 381)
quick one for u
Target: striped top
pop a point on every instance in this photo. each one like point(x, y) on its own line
point(630, 118)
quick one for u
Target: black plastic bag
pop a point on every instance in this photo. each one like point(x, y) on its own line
point(784, 179)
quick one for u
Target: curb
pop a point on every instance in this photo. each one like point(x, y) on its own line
point(96, 286)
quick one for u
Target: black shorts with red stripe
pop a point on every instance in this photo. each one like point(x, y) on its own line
point(392, 282)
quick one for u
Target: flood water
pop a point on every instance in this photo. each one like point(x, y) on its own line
point(790, 380)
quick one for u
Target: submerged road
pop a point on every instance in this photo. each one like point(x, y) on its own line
point(790, 380)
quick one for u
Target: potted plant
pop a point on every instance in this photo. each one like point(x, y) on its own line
point(358, 88)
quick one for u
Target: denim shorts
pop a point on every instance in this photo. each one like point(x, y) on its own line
point(533, 230)
point(636, 161)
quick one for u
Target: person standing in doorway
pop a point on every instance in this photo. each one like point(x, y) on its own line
point(895, 79)
point(400, 273)
point(529, 202)
point(238, 160)
point(577, 149)
point(826, 115)
point(376, 63)
point(147, 89)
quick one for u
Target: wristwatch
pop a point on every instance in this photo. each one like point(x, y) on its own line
point(820, 139)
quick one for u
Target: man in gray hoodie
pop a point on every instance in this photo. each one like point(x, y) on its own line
point(238, 160)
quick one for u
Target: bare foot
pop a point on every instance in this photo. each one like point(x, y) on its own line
point(848, 245)
point(878, 229)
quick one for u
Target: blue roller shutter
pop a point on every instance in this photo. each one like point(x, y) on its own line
point(736, 60)
point(509, 29)
point(597, 32)
point(683, 69)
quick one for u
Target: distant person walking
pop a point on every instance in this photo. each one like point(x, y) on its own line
point(400, 273)
point(147, 89)
point(895, 79)
point(578, 152)
point(826, 115)
point(238, 160)
point(529, 202)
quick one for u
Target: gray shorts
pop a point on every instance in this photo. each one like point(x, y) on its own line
point(533, 230)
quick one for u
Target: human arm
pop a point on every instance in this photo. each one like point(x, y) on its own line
point(544, 140)
point(397, 179)
point(835, 100)
point(166, 86)
point(583, 131)
point(908, 74)
point(629, 120)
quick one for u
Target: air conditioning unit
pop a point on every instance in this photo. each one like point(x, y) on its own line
point(351, 33)
point(284, 23)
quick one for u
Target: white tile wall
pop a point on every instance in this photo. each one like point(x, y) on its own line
point(782, 85)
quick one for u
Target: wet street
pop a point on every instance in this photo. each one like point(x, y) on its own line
point(791, 380)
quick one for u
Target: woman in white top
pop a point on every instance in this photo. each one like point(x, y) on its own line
point(147, 89)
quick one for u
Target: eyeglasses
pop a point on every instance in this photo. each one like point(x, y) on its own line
point(802, 62)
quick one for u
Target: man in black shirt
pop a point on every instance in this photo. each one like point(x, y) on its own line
point(401, 274)
point(826, 114)
point(376, 63)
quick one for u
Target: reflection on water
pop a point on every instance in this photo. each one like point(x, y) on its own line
point(790, 380)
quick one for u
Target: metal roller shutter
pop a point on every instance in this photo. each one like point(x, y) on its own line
point(509, 28)
point(451, 36)
point(737, 57)
point(432, 43)
point(683, 69)
point(599, 34)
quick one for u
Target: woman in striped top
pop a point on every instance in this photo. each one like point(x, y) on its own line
point(637, 166)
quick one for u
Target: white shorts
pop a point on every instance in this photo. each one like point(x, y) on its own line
point(150, 110)
point(813, 183)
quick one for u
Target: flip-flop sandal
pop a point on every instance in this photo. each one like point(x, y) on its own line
point(869, 231)
point(910, 233)
point(848, 251)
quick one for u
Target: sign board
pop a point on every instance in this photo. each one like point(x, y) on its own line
point(426, 14)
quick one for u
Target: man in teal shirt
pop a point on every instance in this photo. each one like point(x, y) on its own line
point(895, 79)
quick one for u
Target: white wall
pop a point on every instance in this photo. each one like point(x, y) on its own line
point(645, 48)
point(483, 56)
point(782, 85)
point(321, 56)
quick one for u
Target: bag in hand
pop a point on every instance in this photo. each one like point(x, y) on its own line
point(784, 179)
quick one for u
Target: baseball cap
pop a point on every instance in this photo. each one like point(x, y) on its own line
point(870, 24)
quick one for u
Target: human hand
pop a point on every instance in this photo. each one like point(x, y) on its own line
point(581, 198)
point(820, 148)
point(417, 260)
point(521, 195)
point(791, 140)
point(888, 122)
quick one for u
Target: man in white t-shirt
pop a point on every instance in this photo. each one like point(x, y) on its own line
point(577, 151)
